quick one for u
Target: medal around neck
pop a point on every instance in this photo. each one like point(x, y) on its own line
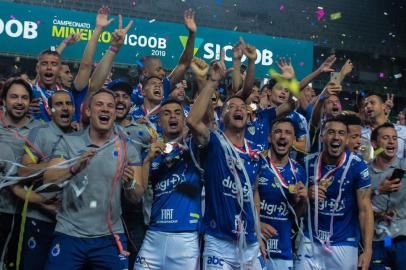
point(254, 107)
point(168, 148)
point(292, 189)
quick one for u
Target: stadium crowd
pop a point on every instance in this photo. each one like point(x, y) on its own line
point(102, 174)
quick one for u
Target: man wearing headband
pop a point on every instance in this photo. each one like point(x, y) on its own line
point(172, 239)
point(281, 196)
point(89, 230)
point(231, 166)
point(341, 212)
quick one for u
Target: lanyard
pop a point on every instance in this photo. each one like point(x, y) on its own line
point(153, 110)
point(339, 164)
point(278, 174)
point(326, 243)
point(121, 157)
point(246, 150)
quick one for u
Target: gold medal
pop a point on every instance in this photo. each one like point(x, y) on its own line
point(325, 183)
point(292, 189)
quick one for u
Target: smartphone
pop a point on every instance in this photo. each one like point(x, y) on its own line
point(397, 173)
point(335, 77)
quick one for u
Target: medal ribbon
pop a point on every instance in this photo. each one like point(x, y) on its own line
point(278, 174)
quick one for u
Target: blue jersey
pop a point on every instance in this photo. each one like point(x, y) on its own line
point(257, 131)
point(346, 229)
point(222, 208)
point(139, 113)
point(42, 94)
point(299, 123)
point(177, 190)
point(274, 207)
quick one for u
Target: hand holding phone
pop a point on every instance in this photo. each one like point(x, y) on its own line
point(397, 174)
point(335, 77)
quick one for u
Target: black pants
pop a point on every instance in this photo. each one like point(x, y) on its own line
point(6, 228)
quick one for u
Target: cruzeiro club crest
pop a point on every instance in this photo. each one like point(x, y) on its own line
point(198, 42)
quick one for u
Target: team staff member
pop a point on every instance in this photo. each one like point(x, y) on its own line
point(15, 126)
point(341, 211)
point(40, 223)
point(388, 200)
point(280, 187)
point(89, 230)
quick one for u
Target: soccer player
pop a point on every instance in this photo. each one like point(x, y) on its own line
point(281, 190)
point(231, 167)
point(341, 211)
point(89, 230)
point(177, 188)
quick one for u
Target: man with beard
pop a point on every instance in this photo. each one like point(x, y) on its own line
point(89, 230)
point(388, 200)
point(375, 112)
point(327, 105)
point(231, 167)
point(341, 211)
point(139, 134)
point(281, 189)
point(15, 126)
point(177, 188)
point(41, 211)
point(65, 77)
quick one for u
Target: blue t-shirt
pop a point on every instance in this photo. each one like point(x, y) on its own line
point(299, 123)
point(139, 113)
point(177, 187)
point(274, 207)
point(257, 131)
point(346, 228)
point(222, 208)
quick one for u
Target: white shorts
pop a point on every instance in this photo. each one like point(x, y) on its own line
point(278, 264)
point(163, 250)
point(340, 258)
point(223, 254)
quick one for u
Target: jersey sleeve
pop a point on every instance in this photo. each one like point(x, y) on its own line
point(300, 125)
point(362, 178)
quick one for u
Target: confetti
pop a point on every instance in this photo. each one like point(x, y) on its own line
point(320, 13)
point(93, 204)
point(151, 21)
point(381, 75)
point(282, 8)
point(335, 16)
point(53, 48)
point(291, 85)
point(38, 22)
point(301, 63)
point(134, 3)
point(397, 76)
point(139, 63)
point(378, 151)
point(235, 28)
point(385, 13)
point(12, 17)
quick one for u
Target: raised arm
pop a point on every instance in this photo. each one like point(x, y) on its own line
point(104, 67)
point(200, 70)
point(324, 67)
point(366, 221)
point(195, 119)
point(179, 71)
point(236, 73)
point(86, 63)
point(251, 53)
point(70, 40)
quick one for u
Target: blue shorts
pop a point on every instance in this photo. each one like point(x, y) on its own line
point(393, 257)
point(38, 236)
point(72, 253)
